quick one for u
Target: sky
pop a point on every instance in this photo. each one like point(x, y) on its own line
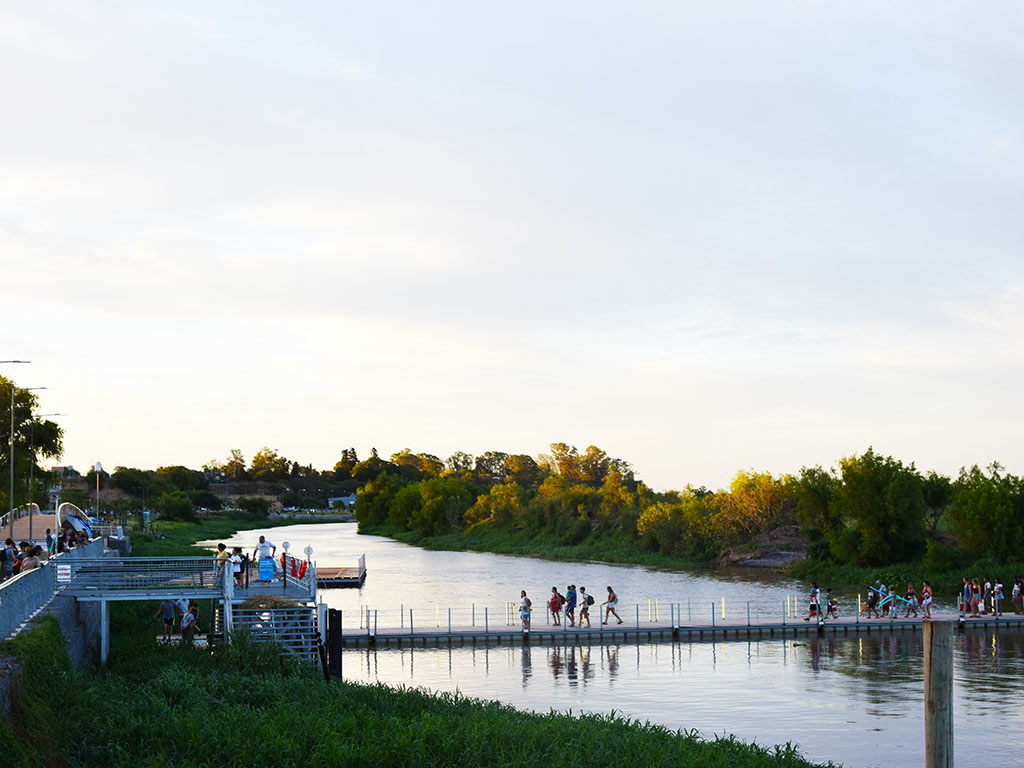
point(702, 236)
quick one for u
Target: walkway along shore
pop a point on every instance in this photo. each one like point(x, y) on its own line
point(760, 629)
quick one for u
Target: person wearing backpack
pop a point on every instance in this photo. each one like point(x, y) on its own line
point(585, 602)
point(555, 606)
point(570, 605)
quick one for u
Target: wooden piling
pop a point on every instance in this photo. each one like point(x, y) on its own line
point(938, 694)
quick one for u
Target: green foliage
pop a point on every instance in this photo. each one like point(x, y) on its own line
point(268, 464)
point(881, 505)
point(183, 478)
point(253, 507)
point(176, 505)
point(987, 512)
point(206, 499)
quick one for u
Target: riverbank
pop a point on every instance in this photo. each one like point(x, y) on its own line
point(175, 538)
point(174, 706)
point(605, 549)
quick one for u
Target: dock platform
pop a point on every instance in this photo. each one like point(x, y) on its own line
point(650, 631)
point(329, 578)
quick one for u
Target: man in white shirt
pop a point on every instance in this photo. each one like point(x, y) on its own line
point(264, 550)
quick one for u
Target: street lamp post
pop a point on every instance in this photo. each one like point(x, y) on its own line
point(14, 391)
point(32, 462)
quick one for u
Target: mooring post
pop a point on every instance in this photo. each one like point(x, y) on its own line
point(334, 642)
point(638, 615)
point(401, 616)
point(712, 615)
point(411, 630)
point(485, 619)
point(748, 613)
point(474, 614)
point(449, 622)
point(938, 694)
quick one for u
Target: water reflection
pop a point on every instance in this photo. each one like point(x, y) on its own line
point(857, 700)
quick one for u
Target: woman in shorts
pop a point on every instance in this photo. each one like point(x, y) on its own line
point(926, 599)
point(610, 604)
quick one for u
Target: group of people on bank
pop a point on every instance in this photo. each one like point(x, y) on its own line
point(572, 601)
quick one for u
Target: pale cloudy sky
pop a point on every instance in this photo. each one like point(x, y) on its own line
point(703, 236)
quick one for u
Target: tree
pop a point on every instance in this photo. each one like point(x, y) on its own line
point(524, 471)
point(176, 506)
point(460, 462)
point(234, 467)
point(938, 495)
point(371, 468)
point(491, 465)
point(756, 502)
point(343, 469)
point(881, 505)
point(253, 507)
point(183, 478)
point(34, 438)
point(268, 464)
point(987, 512)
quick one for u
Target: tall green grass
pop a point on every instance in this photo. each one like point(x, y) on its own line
point(238, 705)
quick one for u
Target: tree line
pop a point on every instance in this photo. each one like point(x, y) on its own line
point(868, 510)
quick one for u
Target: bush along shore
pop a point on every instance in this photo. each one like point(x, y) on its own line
point(240, 704)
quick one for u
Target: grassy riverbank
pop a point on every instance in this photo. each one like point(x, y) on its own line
point(175, 538)
point(606, 548)
point(171, 706)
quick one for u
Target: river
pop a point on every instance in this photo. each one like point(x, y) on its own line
point(852, 700)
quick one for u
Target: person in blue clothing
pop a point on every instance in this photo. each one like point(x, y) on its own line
point(570, 605)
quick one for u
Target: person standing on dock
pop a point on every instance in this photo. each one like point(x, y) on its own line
point(610, 604)
point(585, 601)
point(264, 550)
point(555, 606)
point(524, 610)
point(189, 625)
point(911, 598)
point(926, 599)
point(570, 605)
point(166, 612)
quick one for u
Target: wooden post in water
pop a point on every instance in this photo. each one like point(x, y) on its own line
point(334, 642)
point(938, 694)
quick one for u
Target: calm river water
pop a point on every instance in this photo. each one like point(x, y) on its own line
point(852, 700)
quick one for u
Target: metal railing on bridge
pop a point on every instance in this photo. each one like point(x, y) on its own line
point(141, 576)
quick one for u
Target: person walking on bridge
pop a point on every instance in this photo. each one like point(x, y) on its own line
point(585, 601)
point(555, 606)
point(570, 605)
point(610, 604)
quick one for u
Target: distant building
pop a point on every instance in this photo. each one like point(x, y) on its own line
point(337, 502)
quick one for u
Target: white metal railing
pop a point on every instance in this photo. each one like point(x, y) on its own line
point(143, 574)
point(294, 629)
